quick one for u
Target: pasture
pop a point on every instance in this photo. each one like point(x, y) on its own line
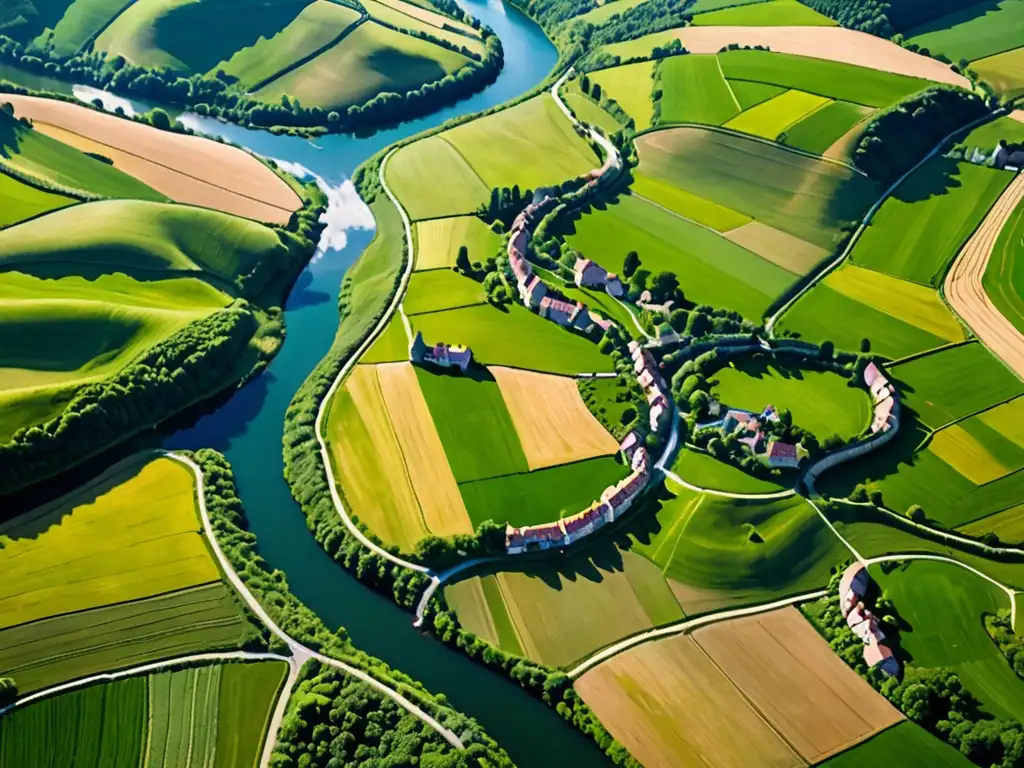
point(542, 495)
point(820, 130)
point(438, 241)
point(1004, 274)
point(319, 23)
point(973, 32)
point(936, 386)
point(775, 13)
point(473, 423)
point(371, 59)
point(705, 471)
point(514, 337)
point(670, 705)
point(920, 228)
point(391, 346)
point(712, 269)
point(187, 169)
point(771, 118)
point(907, 744)
point(796, 681)
point(804, 196)
point(695, 91)
point(1005, 71)
point(81, 22)
point(412, 173)
point(553, 423)
point(587, 111)
point(19, 201)
point(688, 205)
point(749, 93)
point(503, 154)
point(631, 86)
point(55, 650)
point(439, 289)
point(61, 558)
point(943, 606)
point(819, 401)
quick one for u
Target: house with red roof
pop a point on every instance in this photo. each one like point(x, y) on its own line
point(444, 355)
point(532, 291)
point(564, 313)
point(780, 454)
point(587, 273)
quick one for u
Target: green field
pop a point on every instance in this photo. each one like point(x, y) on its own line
point(943, 605)
point(371, 59)
point(82, 21)
point(631, 86)
point(56, 650)
point(514, 337)
point(318, 25)
point(1008, 525)
point(919, 229)
point(473, 423)
point(391, 346)
point(749, 93)
point(711, 269)
point(440, 289)
point(541, 496)
point(503, 154)
point(806, 197)
point(705, 212)
point(397, 14)
point(183, 716)
point(587, 111)
point(438, 241)
point(771, 118)
point(1005, 71)
point(20, 201)
point(705, 471)
point(821, 402)
point(246, 703)
point(1004, 275)
point(907, 745)
point(102, 725)
point(973, 32)
point(948, 385)
point(834, 80)
point(412, 173)
point(694, 91)
point(824, 127)
point(776, 13)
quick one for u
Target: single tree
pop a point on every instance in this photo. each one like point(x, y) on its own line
point(462, 260)
point(865, 345)
point(630, 264)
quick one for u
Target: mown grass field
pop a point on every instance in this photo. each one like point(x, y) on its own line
point(820, 401)
point(771, 118)
point(695, 91)
point(131, 537)
point(317, 25)
point(711, 269)
point(543, 495)
point(775, 13)
point(245, 705)
point(514, 337)
point(821, 129)
point(439, 289)
point(703, 211)
point(64, 648)
point(1005, 71)
point(102, 725)
point(907, 744)
point(19, 201)
point(1004, 275)
point(438, 241)
point(372, 59)
point(474, 424)
point(412, 173)
point(391, 346)
point(631, 86)
point(503, 154)
point(706, 471)
point(749, 93)
point(943, 605)
point(973, 32)
point(806, 197)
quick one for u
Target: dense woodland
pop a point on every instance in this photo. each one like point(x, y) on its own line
point(884, 17)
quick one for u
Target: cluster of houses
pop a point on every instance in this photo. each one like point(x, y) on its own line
point(444, 355)
point(647, 374)
point(1008, 157)
point(590, 274)
point(853, 586)
point(748, 426)
point(886, 404)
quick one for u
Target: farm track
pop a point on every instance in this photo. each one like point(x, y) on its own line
point(965, 293)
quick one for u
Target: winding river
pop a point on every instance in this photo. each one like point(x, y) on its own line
point(248, 428)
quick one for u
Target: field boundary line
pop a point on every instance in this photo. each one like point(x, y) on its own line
point(978, 413)
point(686, 626)
point(91, 40)
point(924, 353)
point(728, 85)
point(865, 222)
point(783, 494)
point(273, 724)
point(458, 152)
point(857, 556)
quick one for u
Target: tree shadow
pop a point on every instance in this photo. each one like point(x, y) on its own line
point(303, 296)
point(933, 179)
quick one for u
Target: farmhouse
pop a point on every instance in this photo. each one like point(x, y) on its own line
point(853, 586)
point(780, 454)
point(532, 291)
point(589, 273)
point(886, 411)
point(564, 313)
point(440, 354)
point(654, 386)
point(1008, 157)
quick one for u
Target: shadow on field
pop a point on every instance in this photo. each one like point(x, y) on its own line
point(933, 179)
point(10, 132)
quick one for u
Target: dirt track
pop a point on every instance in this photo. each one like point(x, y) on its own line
point(833, 43)
point(967, 296)
point(188, 169)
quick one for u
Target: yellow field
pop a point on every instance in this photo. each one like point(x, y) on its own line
point(670, 706)
point(553, 423)
point(780, 248)
point(369, 463)
point(964, 453)
point(1007, 420)
point(785, 669)
point(771, 118)
point(631, 87)
point(438, 241)
point(915, 304)
point(427, 466)
point(126, 537)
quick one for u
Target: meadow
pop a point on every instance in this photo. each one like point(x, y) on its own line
point(438, 241)
point(771, 118)
point(245, 704)
point(686, 204)
point(391, 346)
point(694, 91)
point(1005, 71)
point(514, 337)
point(439, 289)
point(907, 744)
point(820, 130)
point(819, 401)
point(542, 495)
point(712, 270)
point(1004, 274)
point(706, 471)
point(413, 169)
point(775, 13)
point(19, 201)
point(806, 197)
point(943, 606)
point(587, 111)
point(631, 86)
point(61, 558)
point(973, 32)
point(81, 22)
point(750, 93)
point(52, 651)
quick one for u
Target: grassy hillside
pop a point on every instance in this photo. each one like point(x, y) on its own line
point(20, 201)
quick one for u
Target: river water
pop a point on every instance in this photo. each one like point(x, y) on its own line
point(248, 428)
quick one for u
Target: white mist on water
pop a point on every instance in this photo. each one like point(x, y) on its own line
point(110, 102)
